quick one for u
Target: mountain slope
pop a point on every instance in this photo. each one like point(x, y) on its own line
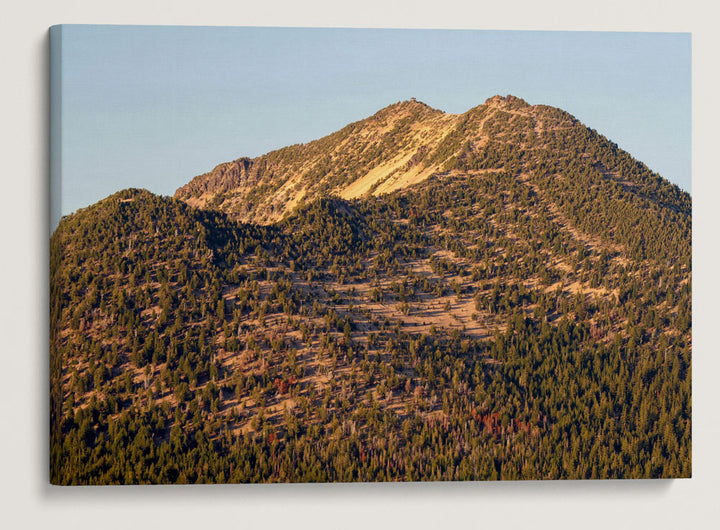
point(521, 312)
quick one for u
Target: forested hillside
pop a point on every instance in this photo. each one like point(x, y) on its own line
point(513, 301)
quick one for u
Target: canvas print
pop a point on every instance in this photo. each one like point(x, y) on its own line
point(362, 255)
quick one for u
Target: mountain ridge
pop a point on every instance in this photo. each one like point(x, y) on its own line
point(398, 146)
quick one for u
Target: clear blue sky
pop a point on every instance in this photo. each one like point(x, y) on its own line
point(154, 106)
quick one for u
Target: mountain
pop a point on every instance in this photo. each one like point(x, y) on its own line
point(501, 294)
point(408, 142)
point(362, 157)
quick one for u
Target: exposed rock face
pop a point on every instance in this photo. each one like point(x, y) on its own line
point(400, 145)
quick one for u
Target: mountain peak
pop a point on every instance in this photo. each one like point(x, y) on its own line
point(509, 101)
point(412, 105)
